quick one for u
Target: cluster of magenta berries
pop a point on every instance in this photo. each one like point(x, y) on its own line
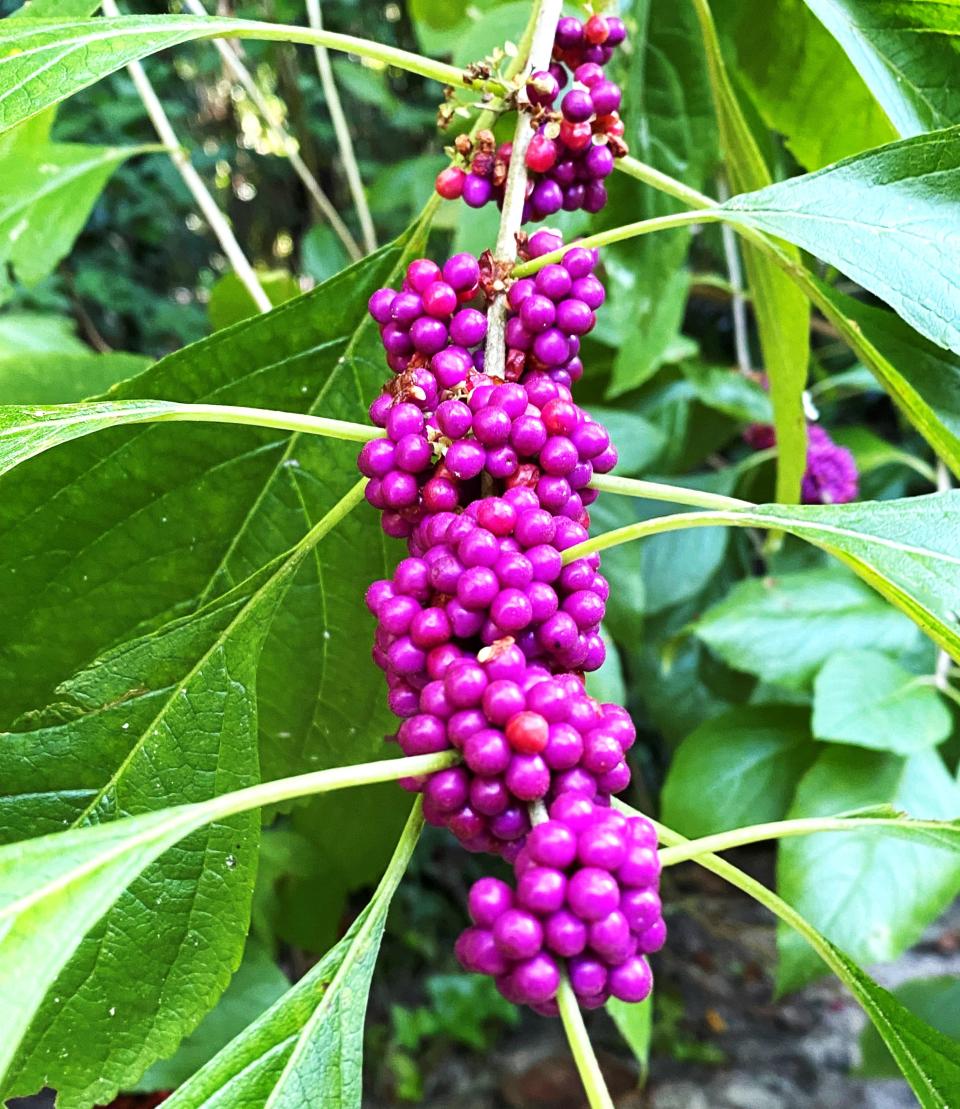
point(453, 433)
point(585, 899)
point(831, 476)
point(486, 629)
point(576, 142)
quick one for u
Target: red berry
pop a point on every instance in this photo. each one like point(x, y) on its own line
point(527, 733)
point(449, 182)
point(575, 136)
point(541, 154)
point(596, 30)
point(610, 124)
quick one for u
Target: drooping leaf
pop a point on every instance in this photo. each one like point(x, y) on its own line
point(44, 61)
point(671, 126)
point(866, 699)
point(927, 1059)
point(635, 1023)
point(936, 1001)
point(906, 52)
point(168, 717)
point(782, 311)
point(886, 218)
point(922, 378)
point(738, 768)
point(121, 504)
point(307, 1050)
point(48, 192)
point(783, 629)
point(870, 894)
point(797, 75)
point(53, 889)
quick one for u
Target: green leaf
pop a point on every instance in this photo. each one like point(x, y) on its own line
point(871, 895)
point(240, 496)
point(635, 1023)
point(671, 126)
point(906, 52)
point(624, 618)
point(728, 391)
point(782, 311)
point(171, 716)
point(866, 699)
point(906, 549)
point(922, 378)
point(638, 441)
point(60, 9)
point(885, 218)
point(306, 1052)
point(48, 378)
point(258, 983)
point(736, 769)
point(797, 75)
point(82, 51)
point(55, 888)
point(230, 300)
point(48, 192)
point(936, 1001)
point(38, 333)
point(783, 629)
point(928, 1060)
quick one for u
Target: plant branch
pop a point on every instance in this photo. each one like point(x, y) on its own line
point(659, 491)
point(618, 234)
point(541, 46)
point(283, 137)
point(268, 417)
point(581, 1048)
point(663, 183)
point(645, 528)
point(342, 131)
point(738, 306)
point(783, 829)
point(194, 182)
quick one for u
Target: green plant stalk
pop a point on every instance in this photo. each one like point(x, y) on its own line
point(113, 28)
point(268, 417)
point(664, 183)
point(580, 1046)
point(645, 528)
point(618, 234)
point(660, 491)
point(692, 849)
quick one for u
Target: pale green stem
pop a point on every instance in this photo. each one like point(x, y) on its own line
point(754, 889)
point(581, 1048)
point(264, 417)
point(659, 491)
point(342, 131)
point(618, 234)
point(341, 777)
point(783, 829)
point(645, 528)
point(664, 183)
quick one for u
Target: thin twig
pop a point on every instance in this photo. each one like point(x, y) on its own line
point(282, 136)
point(342, 131)
point(514, 195)
point(194, 182)
point(941, 671)
point(731, 252)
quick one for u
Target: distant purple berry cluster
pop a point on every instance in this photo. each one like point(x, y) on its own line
point(831, 476)
point(585, 898)
point(487, 627)
point(574, 148)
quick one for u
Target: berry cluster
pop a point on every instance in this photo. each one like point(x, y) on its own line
point(586, 893)
point(574, 148)
point(452, 433)
point(486, 629)
point(831, 476)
